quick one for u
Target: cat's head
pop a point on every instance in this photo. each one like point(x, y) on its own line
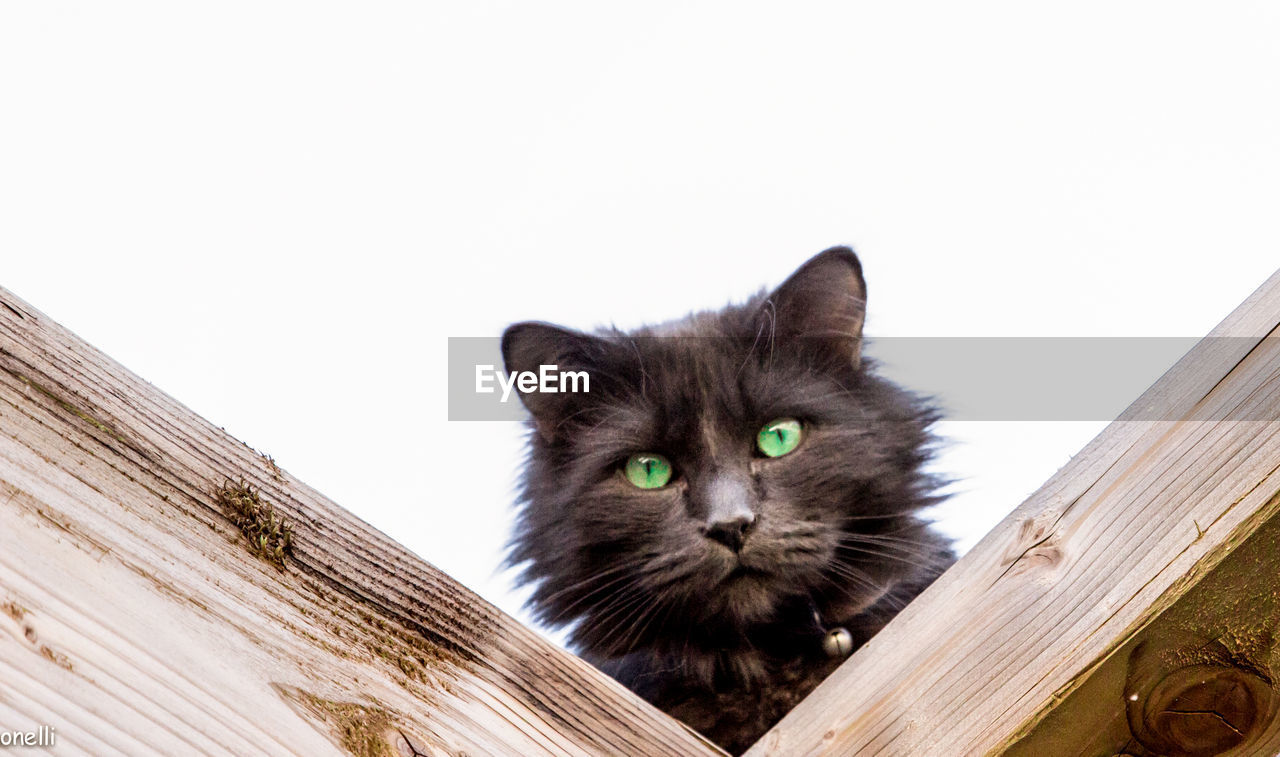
point(719, 468)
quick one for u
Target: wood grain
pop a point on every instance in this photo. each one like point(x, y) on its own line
point(135, 619)
point(1115, 538)
point(1226, 622)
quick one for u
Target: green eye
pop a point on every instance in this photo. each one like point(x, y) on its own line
point(647, 471)
point(779, 437)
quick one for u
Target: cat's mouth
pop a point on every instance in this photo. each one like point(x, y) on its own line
point(742, 572)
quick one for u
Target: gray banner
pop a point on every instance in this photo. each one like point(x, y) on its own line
point(970, 378)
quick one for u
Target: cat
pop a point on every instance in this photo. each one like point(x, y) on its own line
point(733, 506)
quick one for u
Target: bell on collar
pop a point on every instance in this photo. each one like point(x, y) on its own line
point(838, 642)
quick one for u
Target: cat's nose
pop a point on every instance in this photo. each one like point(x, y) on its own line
point(731, 532)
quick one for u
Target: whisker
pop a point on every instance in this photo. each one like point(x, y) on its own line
point(625, 620)
point(636, 632)
point(885, 539)
point(607, 585)
point(852, 573)
point(620, 606)
point(849, 591)
point(892, 556)
point(631, 564)
point(886, 593)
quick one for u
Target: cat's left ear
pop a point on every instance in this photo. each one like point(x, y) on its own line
point(822, 306)
point(528, 346)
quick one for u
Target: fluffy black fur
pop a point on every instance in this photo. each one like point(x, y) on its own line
point(726, 640)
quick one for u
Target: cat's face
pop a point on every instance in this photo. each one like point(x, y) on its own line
point(719, 467)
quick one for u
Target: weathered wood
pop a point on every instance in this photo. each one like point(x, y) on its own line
point(1198, 679)
point(1051, 605)
point(135, 618)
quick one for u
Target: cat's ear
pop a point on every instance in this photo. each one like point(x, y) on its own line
point(822, 306)
point(528, 346)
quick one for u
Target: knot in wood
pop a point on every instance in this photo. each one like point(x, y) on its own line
point(1201, 710)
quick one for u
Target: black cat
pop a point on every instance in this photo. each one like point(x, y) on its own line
point(732, 507)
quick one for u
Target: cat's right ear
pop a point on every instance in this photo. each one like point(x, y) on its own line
point(528, 346)
point(821, 307)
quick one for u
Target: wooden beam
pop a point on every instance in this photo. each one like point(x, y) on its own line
point(136, 616)
point(1077, 625)
point(1195, 680)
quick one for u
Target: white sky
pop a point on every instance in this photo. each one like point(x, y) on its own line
point(277, 212)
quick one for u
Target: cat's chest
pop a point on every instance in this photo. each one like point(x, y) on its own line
point(735, 714)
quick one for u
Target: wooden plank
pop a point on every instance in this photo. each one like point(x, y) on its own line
point(136, 618)
point(1110, 542)
point(1220, 631)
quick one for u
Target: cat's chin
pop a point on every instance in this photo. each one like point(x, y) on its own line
point(745, 595)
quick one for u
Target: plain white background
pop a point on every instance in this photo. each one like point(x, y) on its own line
point(278, 212)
